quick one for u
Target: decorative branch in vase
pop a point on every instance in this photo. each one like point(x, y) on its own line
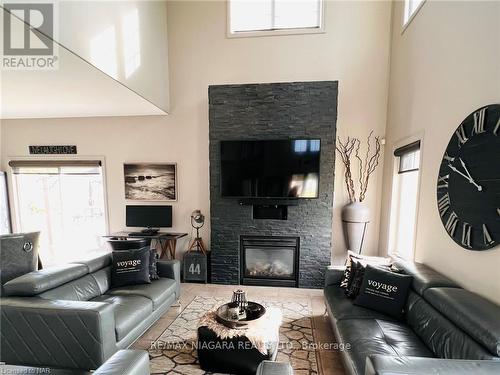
point(355, 214)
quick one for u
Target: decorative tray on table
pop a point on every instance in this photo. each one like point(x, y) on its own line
point(249, 316)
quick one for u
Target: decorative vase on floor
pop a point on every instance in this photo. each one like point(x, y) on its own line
point(355, 216)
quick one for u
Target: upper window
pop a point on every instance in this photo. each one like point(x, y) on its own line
point(64, 200)
point(411, 8)
point(274, 16)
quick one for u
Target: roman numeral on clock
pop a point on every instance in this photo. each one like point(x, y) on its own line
point(451, 224)
point(443, 204)
point(448, 157)
point(497, 126)
point(479, 121)
point(466, 229)
point(443, 181)
point(460, 133)
point(486, 236)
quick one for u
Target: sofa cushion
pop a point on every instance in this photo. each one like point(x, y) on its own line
point(18, 254)
point(342, 308)
point(36, 282)
point(103, 279)
point(130, 311)
point(355, 279)
point(373, 336)
point(364, 260)
point(153, 264)
point(395, 365)
point(443, 337)
point(158, 291)
point(96, 263)
point(477, 316)
point(424, 277)
point(82, 289)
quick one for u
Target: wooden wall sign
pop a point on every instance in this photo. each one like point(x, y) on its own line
point(52, 150)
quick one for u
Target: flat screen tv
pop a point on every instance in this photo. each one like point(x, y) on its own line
point(270, 168)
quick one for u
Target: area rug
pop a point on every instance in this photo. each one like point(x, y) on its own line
point(174, 352)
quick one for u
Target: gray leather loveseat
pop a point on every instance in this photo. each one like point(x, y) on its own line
point(70, 317)
point(446, 329)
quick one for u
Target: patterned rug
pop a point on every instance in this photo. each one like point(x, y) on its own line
point(174, 352)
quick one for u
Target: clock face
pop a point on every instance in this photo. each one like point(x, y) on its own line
point(468, 185)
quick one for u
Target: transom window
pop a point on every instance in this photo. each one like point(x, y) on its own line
point(268, 16)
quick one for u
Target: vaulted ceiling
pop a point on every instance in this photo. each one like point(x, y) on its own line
point(111, 59)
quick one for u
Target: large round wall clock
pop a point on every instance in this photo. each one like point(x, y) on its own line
point(468, 185)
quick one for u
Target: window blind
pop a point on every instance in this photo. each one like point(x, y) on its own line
point(409, 157)
point(84, 167)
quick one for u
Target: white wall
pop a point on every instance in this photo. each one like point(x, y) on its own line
point(354, 50)
point(138, 28)
point(445, 65)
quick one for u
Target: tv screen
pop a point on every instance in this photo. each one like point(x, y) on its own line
point(149, 216)
point(270, 169)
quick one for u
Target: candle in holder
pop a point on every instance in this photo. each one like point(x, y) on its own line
point(240, 298)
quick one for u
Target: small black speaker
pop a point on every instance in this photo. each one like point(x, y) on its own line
point(270, 212)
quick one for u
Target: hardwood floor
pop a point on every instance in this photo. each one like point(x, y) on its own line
point(329, 360)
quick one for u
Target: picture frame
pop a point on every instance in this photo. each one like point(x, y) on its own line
point(150, 181)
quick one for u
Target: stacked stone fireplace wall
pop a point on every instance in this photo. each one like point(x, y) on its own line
point(273, 111)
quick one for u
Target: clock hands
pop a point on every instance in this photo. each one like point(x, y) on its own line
point(468, 177)
point(471, 180)
point(457, 171)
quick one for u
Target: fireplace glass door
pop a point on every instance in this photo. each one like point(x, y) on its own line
point(269, 263)
point(269, 260)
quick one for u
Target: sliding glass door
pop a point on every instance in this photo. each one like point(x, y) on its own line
point(64, 200)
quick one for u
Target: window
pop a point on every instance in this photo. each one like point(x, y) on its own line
point(64, 200)
point(271, 16)
point(411, 8)
point(404, 201)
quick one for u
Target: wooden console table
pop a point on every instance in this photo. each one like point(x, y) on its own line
point(166, 240)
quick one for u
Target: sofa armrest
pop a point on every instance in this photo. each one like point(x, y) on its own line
point(389, 365)
point(171, 269)
point(55, 333)
point(333, 275)
point(126, 362)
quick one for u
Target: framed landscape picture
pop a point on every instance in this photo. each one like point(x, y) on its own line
point(150, 181)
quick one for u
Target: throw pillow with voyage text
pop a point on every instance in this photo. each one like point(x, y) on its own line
point(130, 267)
point(384, 291)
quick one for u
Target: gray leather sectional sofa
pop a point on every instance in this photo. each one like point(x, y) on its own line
point(446, 329)
point(70, 317)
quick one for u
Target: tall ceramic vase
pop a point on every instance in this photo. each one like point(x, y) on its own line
point(355, 217)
